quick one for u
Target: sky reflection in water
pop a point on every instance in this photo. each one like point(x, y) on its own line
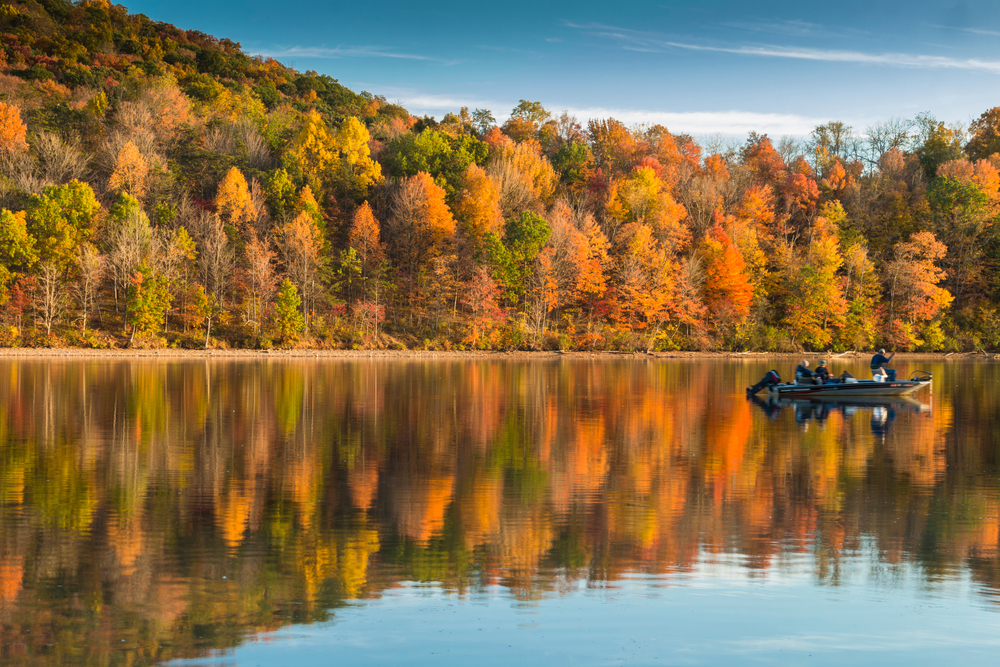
point(489, 511)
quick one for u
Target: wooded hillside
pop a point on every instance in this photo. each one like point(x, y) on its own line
point(161, 187)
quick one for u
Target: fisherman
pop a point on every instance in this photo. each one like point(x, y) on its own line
point(802, 373)
point(879, 362)
point(822, 372)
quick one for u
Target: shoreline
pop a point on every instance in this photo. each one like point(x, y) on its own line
point(84, 353)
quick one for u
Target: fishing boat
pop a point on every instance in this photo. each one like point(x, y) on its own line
point(877, 386)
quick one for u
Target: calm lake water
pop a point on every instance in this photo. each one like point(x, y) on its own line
point(550, 511)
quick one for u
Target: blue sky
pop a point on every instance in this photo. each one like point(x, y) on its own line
point(699, 67)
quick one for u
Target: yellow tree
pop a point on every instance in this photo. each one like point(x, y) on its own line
point(130, 173)
point(477, 205)
point(62, 217)
point(816, 303)
point(17, 248)
point(862, 292)
point(314, 151)
point(642, 198)
point(233, 201)
point(13, 131)
point(307, 204)
point(358, 169)
point(525, 177)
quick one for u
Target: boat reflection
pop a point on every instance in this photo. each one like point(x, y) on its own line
point(883, 410)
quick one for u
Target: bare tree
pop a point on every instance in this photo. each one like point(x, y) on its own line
point(22, 170)
point(216, 260)
point(403, 230)
point(50, 297)
point(260, 280)
point(838, 139)
point(58, 161)
point(719, 143)
point(143, 139)
point(90, 265)
point(883, 137)
point(256, 151)
point(130, 243)
point(261, 221)
point(218, 139)
point(516, 194)
point(789, 148)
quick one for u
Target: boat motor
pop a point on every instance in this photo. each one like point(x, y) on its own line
point(770, 378)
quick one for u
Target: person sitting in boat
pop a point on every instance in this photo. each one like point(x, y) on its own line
point(879, 362)
point(803, 375)
point(822, 372)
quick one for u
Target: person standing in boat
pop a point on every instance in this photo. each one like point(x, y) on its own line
point(879, 362)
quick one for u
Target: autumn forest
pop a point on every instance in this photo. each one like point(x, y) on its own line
point(160, 187)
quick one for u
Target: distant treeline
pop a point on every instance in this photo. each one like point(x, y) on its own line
point(160, 187)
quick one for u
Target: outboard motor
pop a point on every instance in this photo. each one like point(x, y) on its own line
point(770, 378)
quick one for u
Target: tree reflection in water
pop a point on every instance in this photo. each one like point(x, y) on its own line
point(154, 509)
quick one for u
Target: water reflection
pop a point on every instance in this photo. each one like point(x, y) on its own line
point(151, 510)
point(882, 411)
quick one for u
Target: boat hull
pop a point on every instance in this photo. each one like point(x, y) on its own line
point(859, 388)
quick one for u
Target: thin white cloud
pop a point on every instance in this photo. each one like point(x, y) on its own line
point(417, 102)
point(893, 59)
point(651, 41)
point(973, 31)
point(348, 52)
point(504, 49)
point(792, 28)
point(736, 123)
point(739, 123)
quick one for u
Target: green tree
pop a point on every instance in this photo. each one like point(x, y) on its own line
point(435, 153)
point(571, 161)
point(203, 307)
point(483, 120)
point(513, 256)
point(985, 139)
point(17, 249)
point(279, 193)
point(532, 112)
point(147, 301)
point(938, 144)
point(961, 220)
point(287, 316)
point(61, 218)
